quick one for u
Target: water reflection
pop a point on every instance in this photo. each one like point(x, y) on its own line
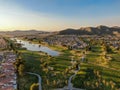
point(37, 47)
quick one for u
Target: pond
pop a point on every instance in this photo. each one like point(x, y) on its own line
point(36, 47)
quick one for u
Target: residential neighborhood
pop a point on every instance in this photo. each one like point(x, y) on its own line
point(2, 43)
point(7, 72)
point(70, 41)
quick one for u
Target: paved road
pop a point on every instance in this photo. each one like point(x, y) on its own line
point(39, 79)
point(70, 87)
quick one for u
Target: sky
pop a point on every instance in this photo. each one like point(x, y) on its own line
point(55, 15)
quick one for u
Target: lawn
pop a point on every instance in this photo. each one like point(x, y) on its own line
point(39, 62)
point(35, 62)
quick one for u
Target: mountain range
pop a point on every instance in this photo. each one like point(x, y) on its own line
point(99, 30)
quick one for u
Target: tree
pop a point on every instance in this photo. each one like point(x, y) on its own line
point(54, 82)
point(19, 66)
point(21, 69)
point(34, 86)
point(47, 81)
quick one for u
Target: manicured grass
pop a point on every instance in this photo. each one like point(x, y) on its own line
point(115, 62)
point(35, 62)
point(107, 74)
point(32, 63)
point(94, 55)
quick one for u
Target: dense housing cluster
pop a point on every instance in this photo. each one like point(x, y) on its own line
point(7, 72)
point(3, 43)
point(70, 41)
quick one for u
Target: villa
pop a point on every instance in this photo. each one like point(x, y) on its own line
point(7, 73)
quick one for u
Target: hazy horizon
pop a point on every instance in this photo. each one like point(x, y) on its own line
point(57, 14)
point(56, 30)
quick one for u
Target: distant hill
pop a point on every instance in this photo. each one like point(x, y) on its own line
point(99, 30)
point(23, 32)
point(28, 31)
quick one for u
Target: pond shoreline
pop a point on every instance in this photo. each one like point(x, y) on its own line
point(36, 47)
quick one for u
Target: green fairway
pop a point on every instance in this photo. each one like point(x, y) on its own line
point(55, 71)
point(35, 62)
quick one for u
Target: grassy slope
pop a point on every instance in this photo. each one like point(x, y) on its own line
point(107, 74)
point(62, 62)
point(33, 64)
